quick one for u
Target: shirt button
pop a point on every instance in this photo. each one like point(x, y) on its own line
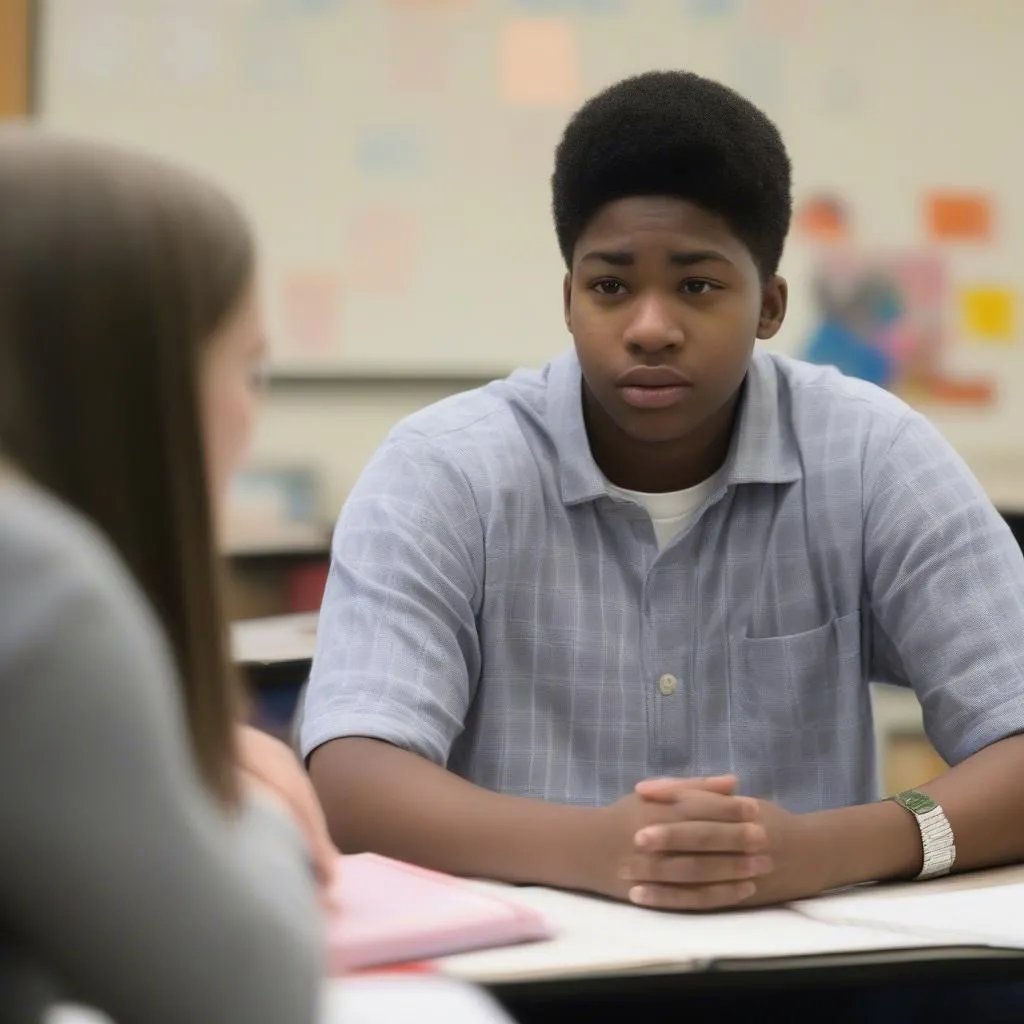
point(668, 684)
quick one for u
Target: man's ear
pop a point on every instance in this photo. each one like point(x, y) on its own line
point(774, 299)
point(567, 296)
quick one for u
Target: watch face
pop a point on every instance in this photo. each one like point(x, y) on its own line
point(917, 802)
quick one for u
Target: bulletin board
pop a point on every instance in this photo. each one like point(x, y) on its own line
point(395, 157)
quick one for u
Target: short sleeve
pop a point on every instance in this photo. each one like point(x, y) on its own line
point(398, 651)
point(946, 582)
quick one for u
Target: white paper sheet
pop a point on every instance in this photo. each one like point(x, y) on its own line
point(600, 937)
point(990, 916)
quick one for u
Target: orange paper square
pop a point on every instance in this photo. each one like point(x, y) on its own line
point(959, 217)
point(420, 51)
point(540, 65)
point(312, 305)
point(824, 219)
point(786, 19)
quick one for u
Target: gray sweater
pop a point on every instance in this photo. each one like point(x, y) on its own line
point(122, 885)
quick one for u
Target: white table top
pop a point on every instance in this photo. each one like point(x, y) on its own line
point(596, 937)
point(413, 1000)
point(600, 937)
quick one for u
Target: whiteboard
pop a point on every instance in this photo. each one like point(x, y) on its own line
point(395, 155)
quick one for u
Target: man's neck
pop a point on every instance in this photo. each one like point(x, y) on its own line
point(657, 468)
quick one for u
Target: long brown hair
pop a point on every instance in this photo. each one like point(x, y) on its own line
point(115, 270)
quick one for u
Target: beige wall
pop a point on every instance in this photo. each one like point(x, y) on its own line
point(183, 79)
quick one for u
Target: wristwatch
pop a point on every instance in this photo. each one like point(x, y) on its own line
point(936, 833)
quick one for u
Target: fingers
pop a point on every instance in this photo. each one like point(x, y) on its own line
point(710, 857)
point(327, 885)
point(328, 901)
point(698, 864)
point(278, 771)
point(702, 836)
point(696, 869)
point(702, 806)
point(672, 789)
point(325, 853)
point(698, 897)
point(305, 807)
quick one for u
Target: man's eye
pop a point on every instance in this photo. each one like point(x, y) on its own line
point(695, 286)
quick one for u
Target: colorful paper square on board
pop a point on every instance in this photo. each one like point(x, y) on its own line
point(823, 218)
point(709, 10)
point(540, 63)
point(429, 5)
point(419, 52)
point(786, 20)
point(959, 216)
point(382, 247)
point(311, 311)
point(989, 314)
point(391, 149)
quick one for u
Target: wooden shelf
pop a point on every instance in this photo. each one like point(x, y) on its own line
point(315, 380)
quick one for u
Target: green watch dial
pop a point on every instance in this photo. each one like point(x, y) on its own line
point(916, 802)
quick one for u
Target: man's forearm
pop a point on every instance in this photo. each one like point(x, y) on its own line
point(983, 798)
point(378, 797)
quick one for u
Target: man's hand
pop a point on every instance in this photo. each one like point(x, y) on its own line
point(683, 844)
point(701, 863)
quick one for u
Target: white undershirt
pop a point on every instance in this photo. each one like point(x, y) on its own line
point(671, 511)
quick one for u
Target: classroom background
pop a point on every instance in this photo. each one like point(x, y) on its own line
point(395, 158)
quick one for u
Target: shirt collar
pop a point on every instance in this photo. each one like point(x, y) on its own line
point(762, 449)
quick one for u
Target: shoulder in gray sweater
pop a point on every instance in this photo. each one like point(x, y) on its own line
point(122, 884)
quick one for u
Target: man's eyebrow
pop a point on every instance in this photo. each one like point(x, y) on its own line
point(682, 258)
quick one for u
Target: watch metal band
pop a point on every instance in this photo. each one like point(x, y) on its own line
point(937, 840)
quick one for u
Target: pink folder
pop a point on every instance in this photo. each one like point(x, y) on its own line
point(391, 912)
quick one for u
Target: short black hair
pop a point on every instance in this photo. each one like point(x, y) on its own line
point(674, 133)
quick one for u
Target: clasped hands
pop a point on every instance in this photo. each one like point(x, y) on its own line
point(694, 844)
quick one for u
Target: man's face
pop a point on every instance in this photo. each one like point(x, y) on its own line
point(664, 304)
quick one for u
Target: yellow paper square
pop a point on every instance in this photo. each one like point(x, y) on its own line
point(989, 314)
point(540, 65)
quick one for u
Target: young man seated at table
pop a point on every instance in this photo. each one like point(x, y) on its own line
point(610, 625)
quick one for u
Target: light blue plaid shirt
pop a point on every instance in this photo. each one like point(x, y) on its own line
point(492, 607)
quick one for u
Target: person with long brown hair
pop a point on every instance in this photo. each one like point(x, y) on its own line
point(142, 867)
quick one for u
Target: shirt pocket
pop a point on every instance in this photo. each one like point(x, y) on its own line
point(804, 681)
